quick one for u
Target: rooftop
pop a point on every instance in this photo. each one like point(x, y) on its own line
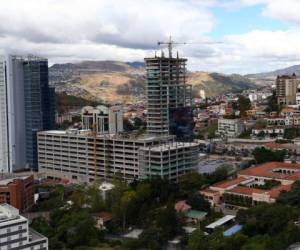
point(246, 190)
point(5, 182)
point(275, 170)
point(8, 212)
point(226, 184)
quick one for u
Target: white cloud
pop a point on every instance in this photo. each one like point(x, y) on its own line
point(98, 27)
point(128, 30)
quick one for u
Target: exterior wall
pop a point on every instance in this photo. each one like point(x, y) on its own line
point(230, 127)
point(168, 161)
point(16, 113)
point(19, 193)
point(4, 160)
point(27, 106)
point(70, 155)
point(166, 90)
point(286, 89)
point(15, 233)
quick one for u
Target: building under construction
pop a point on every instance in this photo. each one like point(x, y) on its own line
point(168, 97)
point(102, 149)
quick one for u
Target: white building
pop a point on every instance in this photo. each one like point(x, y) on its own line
point(75, 155)
point(230, 127)
point(12, 121)
point(15, 233)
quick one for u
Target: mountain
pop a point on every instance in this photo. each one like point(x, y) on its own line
point(273, 74)
point(115, 81)
point(215, 84)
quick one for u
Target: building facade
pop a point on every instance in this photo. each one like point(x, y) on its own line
point(286, 89)
point(27, 106)
point(71, 155)
point(168, 97)
point(15, 233)
point(230, 127)
point(168, 161)
point(18, 192)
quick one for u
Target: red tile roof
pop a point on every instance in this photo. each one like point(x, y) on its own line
point(182, 206)
point(266, 170)
point(226, 184)
point(105, 216)
point(275, 192)
point(246, 190)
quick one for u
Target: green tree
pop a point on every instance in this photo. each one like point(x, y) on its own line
point(272, 103)
point(290, 133)
point(190, 182)
point(262, 155)
point(197, 201)
point(197, 241)
point(127, 198)
point(244, 104)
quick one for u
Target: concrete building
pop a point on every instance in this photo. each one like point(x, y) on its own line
point(70, 154)
point(27, 106)
point(108, 120)
point(15, 233)
point(286, 89)
point(18, 192)
point(168, 96)
point(169, 160)
point(230, 127)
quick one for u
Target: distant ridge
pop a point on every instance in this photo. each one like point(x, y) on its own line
point(272, 74)
point(116, 81)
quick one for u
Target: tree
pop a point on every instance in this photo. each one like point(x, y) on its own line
point(126, 199)
point(244, 104)
point(197, 201)
point(197, 241)
point(168, 222)
point(272, 103)
point(266, 219)
point(190, 182)
point(291, 198)
point(290, 133)
point(220, 174)
point(262, 155)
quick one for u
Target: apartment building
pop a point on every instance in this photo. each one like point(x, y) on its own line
point(286, 89)
point(15, 233)
point(230, 127)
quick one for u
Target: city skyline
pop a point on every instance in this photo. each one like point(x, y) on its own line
point(255, 35)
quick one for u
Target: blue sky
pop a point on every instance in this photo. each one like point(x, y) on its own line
point(256, 35)
point(243, 20)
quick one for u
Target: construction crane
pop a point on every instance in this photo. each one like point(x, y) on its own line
point(170, 44)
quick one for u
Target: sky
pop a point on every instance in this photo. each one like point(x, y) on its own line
point(228, 36)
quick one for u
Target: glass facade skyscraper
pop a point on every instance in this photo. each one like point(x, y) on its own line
point(30, 108)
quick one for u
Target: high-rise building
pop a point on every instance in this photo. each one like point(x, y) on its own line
point(27, 106)
point(15, 232)
point(168, 97)
point(286, 89)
